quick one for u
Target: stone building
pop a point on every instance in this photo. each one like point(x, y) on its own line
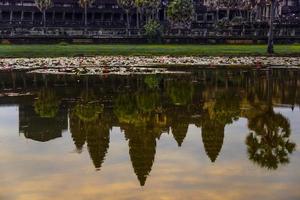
point(105, 18)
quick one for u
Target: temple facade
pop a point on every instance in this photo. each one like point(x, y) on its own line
point(107, 18)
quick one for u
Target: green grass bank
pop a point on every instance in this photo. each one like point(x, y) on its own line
point(59, 50)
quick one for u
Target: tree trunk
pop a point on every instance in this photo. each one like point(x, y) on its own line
point(44, 20)
point(85, 15)
point(137, 19)
point(228, 14)
point(271, 29)
point(85, 18)
point(127, 22)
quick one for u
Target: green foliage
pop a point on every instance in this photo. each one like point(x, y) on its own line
point(153, 31)
point(180, 92)
point(126, 4)
point(150, 4)
point(268, 143)
point(84, 3)
point(227, 107)
point(88, 108)
point(43, 4)
point(147, 101)
point(181, 12)
point(125, 108)
point(152, 81)
point(47, 104)
point(222, 23)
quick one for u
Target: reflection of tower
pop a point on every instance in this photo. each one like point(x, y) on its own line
point(179, 131)
point(41, 129)
point(97, 142)
point(142, 149)
point(179, 120)
point(212, 137)
point(76, 129)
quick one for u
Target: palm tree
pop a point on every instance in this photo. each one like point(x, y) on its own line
point(84, 4)
point(43, 5)
point(269, 142)
point(139, 4)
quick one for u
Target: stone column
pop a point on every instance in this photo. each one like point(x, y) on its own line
point(10, 16)
point(93, 18)
point(73, 16)
point(22, 16)
point(32, 17)
point(82, 18)
point(53, 17)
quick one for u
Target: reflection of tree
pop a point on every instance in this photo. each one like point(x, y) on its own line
point(125, 108)
point(88, 108)
point(268, 143)
point(152, 81)
point(147, 101)
point(180, 92)
point(225, 108)
point(47, 104)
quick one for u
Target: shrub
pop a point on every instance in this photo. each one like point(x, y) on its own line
point(153, 31)
point(5, 42)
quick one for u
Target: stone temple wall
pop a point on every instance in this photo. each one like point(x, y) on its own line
point(105, 19)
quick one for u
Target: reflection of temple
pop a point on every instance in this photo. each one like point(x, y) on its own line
point(95, 133)
point(142, 149)
point(41, 129)
point(212, 137)
point(144, 110)
point(179, 124)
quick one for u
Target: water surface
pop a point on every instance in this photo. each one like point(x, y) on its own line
point(209, 134)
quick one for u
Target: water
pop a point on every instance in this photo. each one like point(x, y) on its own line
point(209, 134)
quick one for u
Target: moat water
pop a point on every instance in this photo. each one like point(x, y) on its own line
point(207, 134)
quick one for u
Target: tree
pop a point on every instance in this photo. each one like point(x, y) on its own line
point(181, 12)
point(88, 107)
point(269, 142)
point(153, 31)
point(127, 5)
point(84, 4)
point(139, 8)
point(180, 92)
point(151, 7)
point(43, 5)
point(47, 104)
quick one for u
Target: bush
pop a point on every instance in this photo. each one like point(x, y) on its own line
point(5, 42)
point(181, 13)
point(153, 31)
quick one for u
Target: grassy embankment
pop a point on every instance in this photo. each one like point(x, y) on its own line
point(143, 50)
